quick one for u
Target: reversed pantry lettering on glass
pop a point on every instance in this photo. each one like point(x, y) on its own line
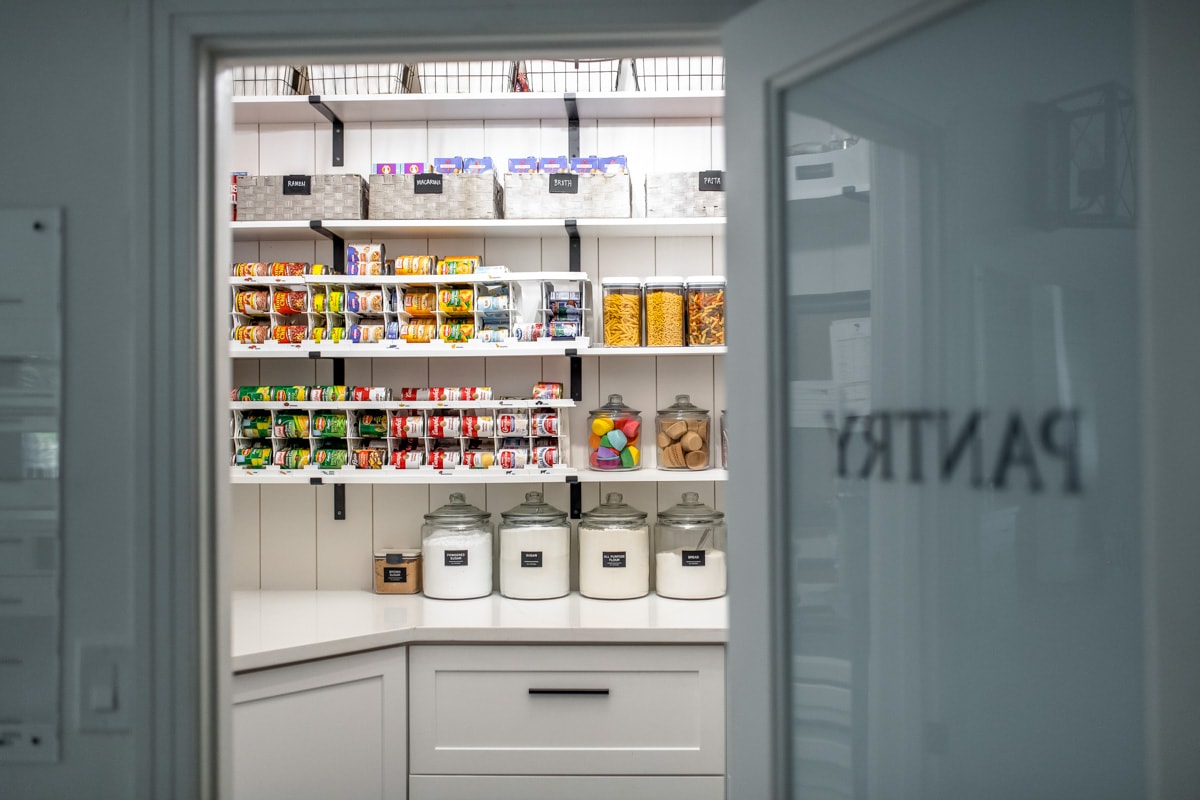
point(712, 180)
point(395, 574)
point(297, 184)
point(427, 183)
point(456, 558)
point(531, 558)
point(614, 560)
point(693, 558)
point(564, 183)
point(994, 451)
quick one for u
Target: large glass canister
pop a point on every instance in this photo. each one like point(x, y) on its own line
point(622, 311)
point(706, 310)
point(535, 550)
point(682, 435)
point(456, 545)
point(663, 299)
point(614, 551)
point(689, 562)
point(614, 433)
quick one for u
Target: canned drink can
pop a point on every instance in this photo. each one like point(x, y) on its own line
point(328, 393)
point(492, 335)
point(289, 334)
point(287, 394)
point(330, 458)
point(512, 424)
point(291, 426)
point(512, 458)
point(479, 459)
point(445, 427)
point(547, 391)
point(329, 426)
point(545, 424)
point(545, 457)
point(445, 459)
point(252, 301)
point(408, 459)
point(370, 394)
point(255, 457)
point(289, 302)
point(408, 427)
point(370, 458)
point(373, 426)
point(474, 427)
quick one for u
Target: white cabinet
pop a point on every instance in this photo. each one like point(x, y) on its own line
point(323, 729)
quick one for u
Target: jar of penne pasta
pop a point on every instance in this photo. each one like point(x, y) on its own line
point(622, 311)
point(663, 299)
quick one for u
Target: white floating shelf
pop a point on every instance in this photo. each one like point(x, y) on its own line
point(708, 350)
point(274, 475)
point(648, 475)
point(396, 349)
point(393, 405)
point(357, 230)
point(402, 280)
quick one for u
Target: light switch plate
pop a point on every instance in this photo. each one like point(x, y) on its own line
point(105, 690)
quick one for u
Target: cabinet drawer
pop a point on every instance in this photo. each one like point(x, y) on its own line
point(567, 710)
point(556, 787)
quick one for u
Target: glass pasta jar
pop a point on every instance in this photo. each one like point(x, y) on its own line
point(690, 542)
point(706, 310)
point(535, 550)
point(622, 311)
point(614, 432)
point(682, 435)
point(614, 551)
point(456, 545)
point(663, 300)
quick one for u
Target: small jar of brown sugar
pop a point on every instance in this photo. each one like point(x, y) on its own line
point(398, 572)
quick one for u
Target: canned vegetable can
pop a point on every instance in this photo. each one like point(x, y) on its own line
point(330, 458)
point(329, 426)
point(373, 426)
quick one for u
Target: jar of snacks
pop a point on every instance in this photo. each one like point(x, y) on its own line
point(706, 310)
point(663, 298)
point(613, 439)
point(690, 560)
point(622, 311)
point(681, 432)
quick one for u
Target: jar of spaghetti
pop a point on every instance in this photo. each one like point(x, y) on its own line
point(663, 298)
point(706, 310)
point(622, 311)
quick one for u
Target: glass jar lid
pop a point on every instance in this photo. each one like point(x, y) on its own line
point(690, 511)
point(614, 509)
point(458, 510)
point(706, 280)
point(683, 406)
point(664, 280)
point(534, 510)
point(615, 406)
point(620, 281)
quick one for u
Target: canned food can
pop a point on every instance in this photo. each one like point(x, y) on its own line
point(288, 268)
point(512, 424)
point(562, 330)
point(370, 458)
point(287, 394)
point(366, 301)
point(547, 391)
point(366, 333)
point(408, 459)
point(420, 302)
point(458, 265)
point(251, 269)
point(475, 393)
point(456, 301)
point(445, 459)
point(370, 394)
point(289, 334)
point(474, 427)
point(329, 426)
point(492, 302)
point(293, 458)
point(337, 334)
point(252, 394)
point(255, 457)
point(418, 332)
point(330, 458)
point(318, 335)
point(545, 457)
point(320, 302)
point(252, 302)
point(414, 265)
point(545, 424)
point(393, 330)
point(255, 426)
point(457, 332)
point(529, 332)
point(408, 427)
point(512, 458)
point(318, 269)
point(373, 426)
point(492, 335)
point(479, 459)
point(337, 301)
point(289, 302)
point(251, 334)
point(445, 427)
point(328, 393)
point(291, 426)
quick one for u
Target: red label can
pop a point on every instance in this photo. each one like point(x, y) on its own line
point(545, 424)
point(512, 458)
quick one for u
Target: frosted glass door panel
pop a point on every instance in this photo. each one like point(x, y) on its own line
point(964, 547)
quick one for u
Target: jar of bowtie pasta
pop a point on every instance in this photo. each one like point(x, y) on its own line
point(622, 311)
point(663, 299)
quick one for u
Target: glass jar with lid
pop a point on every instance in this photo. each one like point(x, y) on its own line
point(706, 310)
point(535, 550)
point(689, 562)
point(662, 297)
point(456, 545)
point(614, 436)
point(614, 551)
point(682, 435)
point(622, 311)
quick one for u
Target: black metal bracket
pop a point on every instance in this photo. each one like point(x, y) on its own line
point(854, 194)
point(576, 489)
point(315, 481)
point(339, 245)
point(339, 372)
point(339, 501)
point(572, 124)
point(574, 248)
point(339, 129)
point(576, 361)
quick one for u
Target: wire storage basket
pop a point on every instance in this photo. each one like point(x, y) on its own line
point(262, 80)
point(568, 75)
point(465, 77)
point(361, 79)
point(679, 74)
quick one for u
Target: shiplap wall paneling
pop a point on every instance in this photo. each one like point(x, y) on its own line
point(344, 547)
point(288, 525)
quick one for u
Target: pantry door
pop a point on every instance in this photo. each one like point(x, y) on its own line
point(935, 448)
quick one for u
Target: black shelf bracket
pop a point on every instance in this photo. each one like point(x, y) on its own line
point(572, 124)
point(339, 500)
point(339, 372)
point(574, 250)
point(339, 129)
point(576, 374)
point(576, 489)
point(339, 245)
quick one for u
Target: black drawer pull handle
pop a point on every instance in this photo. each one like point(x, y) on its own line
point(603, 692)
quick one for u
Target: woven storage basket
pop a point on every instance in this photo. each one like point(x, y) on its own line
point(261, 199)
point(677, 194)
point(527, 196)
point(463, 196)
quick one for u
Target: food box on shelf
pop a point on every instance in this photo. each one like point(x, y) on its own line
point(271, 198)
point(685, 194)
point(540, 196)
point(433, 196)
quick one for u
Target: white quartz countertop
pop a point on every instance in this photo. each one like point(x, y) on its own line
point(272, 628)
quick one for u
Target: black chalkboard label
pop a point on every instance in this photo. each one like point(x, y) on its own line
point(531, 558)
point(712, 180)
point(427, 183)
point(564, 183)
point(456, 558)
point(297, 184)
point(616, 560)
point(395, 574)
point(693, 558)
